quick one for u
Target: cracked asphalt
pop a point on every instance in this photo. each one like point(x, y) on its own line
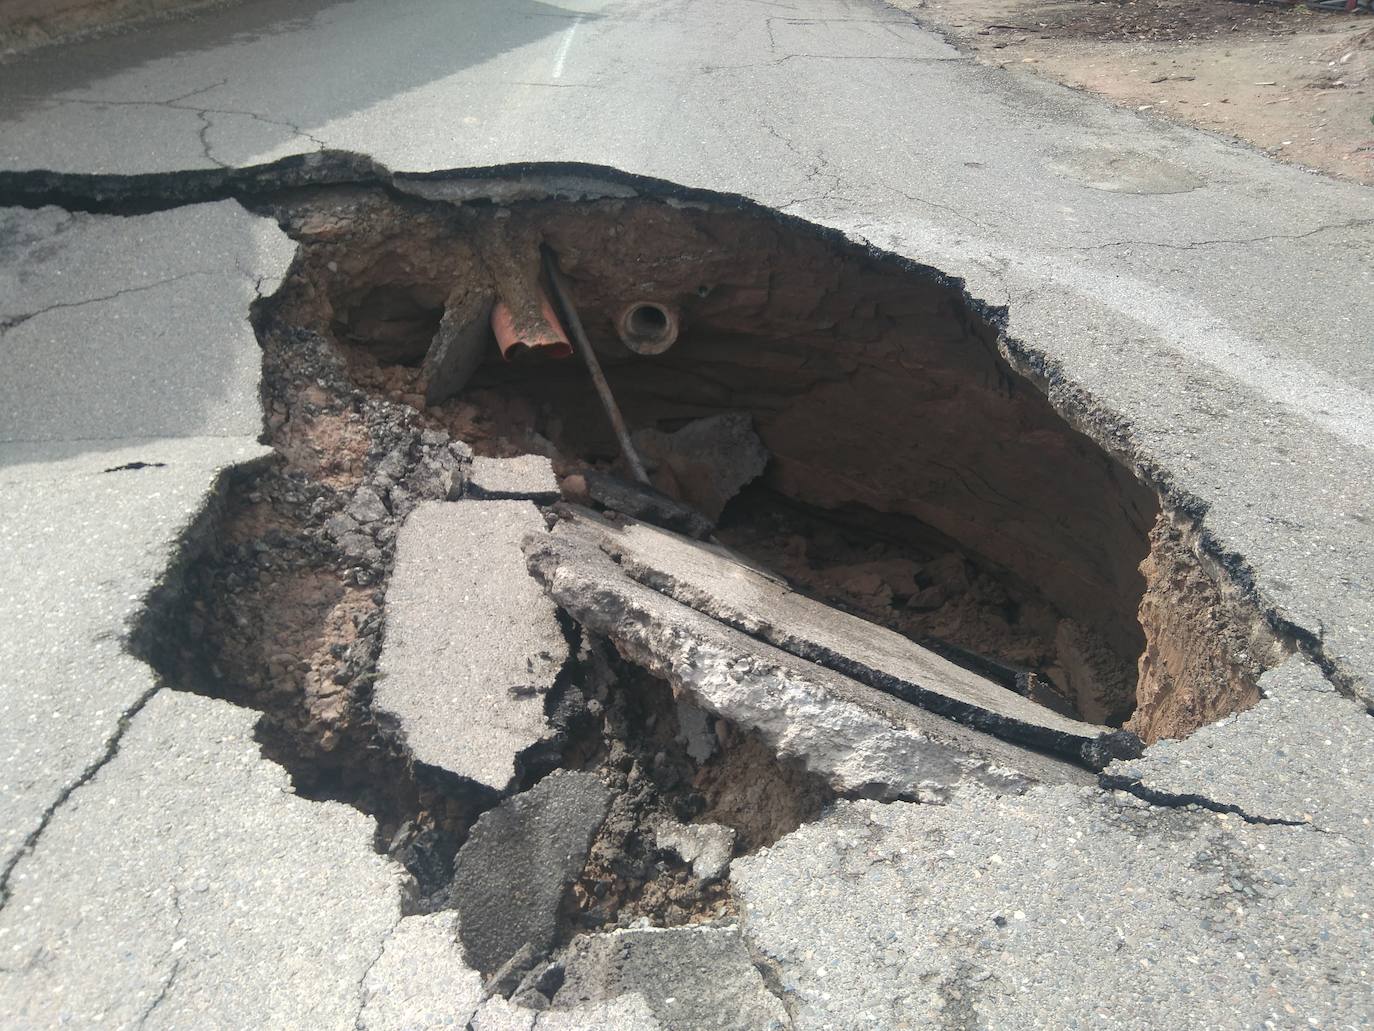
point(1199, 309)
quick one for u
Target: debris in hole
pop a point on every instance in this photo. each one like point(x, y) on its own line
point(646, 503)
point(712, 581)
point(472, 646)
point(526, 476)
point(459, 344)
point(706, 846)
point(861, 741)
point(693, 978)
point(706, 462)
point(520, 857)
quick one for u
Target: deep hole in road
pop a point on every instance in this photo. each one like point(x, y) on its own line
point(913, 476)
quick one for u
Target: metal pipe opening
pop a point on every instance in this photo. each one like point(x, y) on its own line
point(647, 327)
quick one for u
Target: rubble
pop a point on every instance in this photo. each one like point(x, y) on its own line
point(707, 846)
point(693, 978)
point(706, 462)
point(471, 646)
point(646, 503)
point(527, 477)
point(510, 876)
point(463, 339)
point(860, 740)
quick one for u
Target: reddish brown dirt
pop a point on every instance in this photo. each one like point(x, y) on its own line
point(1295, 83)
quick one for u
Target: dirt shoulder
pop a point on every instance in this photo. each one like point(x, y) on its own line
point(1296, 83)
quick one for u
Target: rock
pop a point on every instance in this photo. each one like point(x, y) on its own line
point(708, 847)
point(528, 477)
point(340, 523)
point(646, 503)
point(694, 731)
point(471, 645)
point(727, 588)
point(709, 459)
point(463, 339)
point(367, 506)
point(691, 977)
point(858, 739)
point(510, 876)
point(355, 545)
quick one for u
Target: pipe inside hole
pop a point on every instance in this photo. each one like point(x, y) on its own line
point(647, 327)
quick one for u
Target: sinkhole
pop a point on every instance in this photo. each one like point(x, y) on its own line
point(847, 422)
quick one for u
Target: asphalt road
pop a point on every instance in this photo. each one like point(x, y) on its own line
point(1206, 311)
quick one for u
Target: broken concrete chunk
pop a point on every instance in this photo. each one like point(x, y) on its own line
point(367, 506)
point(708, 461)
point(859, 740)
point(646, 503)
point(464, 337)
point(510, 876)
point(528, 477)
point(695, 731)
point(471, 644)
point(691, 977)
point(708, 847)
point(727, 588)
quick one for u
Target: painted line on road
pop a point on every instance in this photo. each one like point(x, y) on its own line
point(563, 48)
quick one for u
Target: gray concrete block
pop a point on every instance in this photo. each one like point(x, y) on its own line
point(527, 477)
point(471, 645)
point(510, 875)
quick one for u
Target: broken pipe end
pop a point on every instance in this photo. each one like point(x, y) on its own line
point(542, 337)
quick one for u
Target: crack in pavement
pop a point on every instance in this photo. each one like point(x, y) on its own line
point(1171, 800)
point(171, 977)
point(1354, 223)
point(18, 320)
point(110, 750)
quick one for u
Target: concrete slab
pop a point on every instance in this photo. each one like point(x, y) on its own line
point(471, 644)
point(1061, 908)
point(860, 740)
point(528, 477)
point(693, 978)
point(510, 876)
point(169, 891)
point(728, 588)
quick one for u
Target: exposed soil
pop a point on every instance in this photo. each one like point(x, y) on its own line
point(912, 476)
point(1296, 83)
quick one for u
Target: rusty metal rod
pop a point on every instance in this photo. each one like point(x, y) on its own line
point(579, 335)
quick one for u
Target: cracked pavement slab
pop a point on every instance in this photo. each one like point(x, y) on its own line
point(172, 890)
point(472, 646)
point(124, 341)
point(1061, 908)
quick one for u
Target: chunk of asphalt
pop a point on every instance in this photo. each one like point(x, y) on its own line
point(510, 876)
point(471, 643)
point(464, 336)
point(691, 977)
point(724, 586)
point(711, 459)
point(708, 847)
point(526, 477)
point(861, 741)
point(646, 503)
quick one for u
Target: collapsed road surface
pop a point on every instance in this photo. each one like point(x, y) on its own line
point(351, 683)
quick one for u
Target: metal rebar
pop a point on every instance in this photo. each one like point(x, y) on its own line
point(603, 388)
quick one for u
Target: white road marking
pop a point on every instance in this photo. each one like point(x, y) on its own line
point(563, 48)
